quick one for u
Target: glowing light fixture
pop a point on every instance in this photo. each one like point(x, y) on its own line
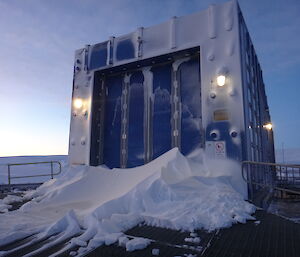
point(268, 126)
point(77, 103)
point(221, 80)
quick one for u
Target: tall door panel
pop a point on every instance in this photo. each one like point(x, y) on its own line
point(161, 139)
point(190, 90)
point(136, 145)
point(112, 127)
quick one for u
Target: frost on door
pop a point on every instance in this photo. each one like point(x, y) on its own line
point(161, 136)
point(135, 145)
point(189, 81)
point(112, 127)
point(149, 110)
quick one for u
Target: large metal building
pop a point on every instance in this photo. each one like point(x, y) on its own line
point(193, 82)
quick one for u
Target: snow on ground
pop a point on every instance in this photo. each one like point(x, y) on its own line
point(28, 170)
point(95, 205)
point(5, 203)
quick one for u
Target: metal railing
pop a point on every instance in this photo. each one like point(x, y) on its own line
point(51, 174)
point(282, 177)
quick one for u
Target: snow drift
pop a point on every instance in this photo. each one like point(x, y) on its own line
point(173, 191)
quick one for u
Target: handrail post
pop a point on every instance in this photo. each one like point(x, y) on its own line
point(8, 173)
point(51, 170)
point(59, 164)
point(275, 176)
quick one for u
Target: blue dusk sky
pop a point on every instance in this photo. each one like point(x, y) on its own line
point(38, 39)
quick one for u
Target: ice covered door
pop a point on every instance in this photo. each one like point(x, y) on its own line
point(112, 127)
point(190, 91)
point(161, 133)
point(136, 146)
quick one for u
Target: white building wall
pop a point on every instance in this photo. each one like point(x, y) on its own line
point(215, 30)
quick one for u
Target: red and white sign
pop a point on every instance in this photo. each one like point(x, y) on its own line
point(220, 149)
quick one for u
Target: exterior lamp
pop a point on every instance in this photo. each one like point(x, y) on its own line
point(221, 80)
point(77, 103)
point(268, 126)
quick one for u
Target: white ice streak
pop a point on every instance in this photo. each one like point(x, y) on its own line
point(59, 231)
point(195, 240)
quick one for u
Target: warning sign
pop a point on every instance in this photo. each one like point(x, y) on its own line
point(220, 149)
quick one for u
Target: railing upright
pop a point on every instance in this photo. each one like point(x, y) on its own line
point(271, 175)
point(51, 170)
point(52, 173)
point(8, 173)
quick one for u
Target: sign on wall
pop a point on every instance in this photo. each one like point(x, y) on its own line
point(216, 149)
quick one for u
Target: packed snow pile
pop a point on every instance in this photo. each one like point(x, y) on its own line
point(5, 203)
point(95, 205)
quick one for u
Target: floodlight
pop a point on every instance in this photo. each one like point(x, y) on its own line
point(77, 103)
point(221, 80)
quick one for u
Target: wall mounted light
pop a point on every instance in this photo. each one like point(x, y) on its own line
point(77, 103)
point(222, 72)
point(221, 80)
point(268, 126)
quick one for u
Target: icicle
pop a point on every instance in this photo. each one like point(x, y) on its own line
point(148, 98)
point(125, 114)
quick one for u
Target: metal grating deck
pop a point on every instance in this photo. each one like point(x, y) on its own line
point(268, 236)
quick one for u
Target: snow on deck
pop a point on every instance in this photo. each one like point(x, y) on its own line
point(100, 204)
